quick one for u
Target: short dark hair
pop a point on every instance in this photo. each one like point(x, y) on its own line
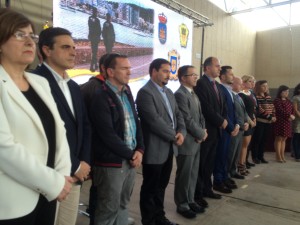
point(182, 71)
point(297, 90)
point(258, 84)
point(156, 64)
point(110, 60)
point(224, 70)
point(10, 22)
point(101, 61)
point(281, 89)
point(47, 37)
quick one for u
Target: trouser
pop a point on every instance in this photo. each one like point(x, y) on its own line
point(206, 167)
point(296, 145)
point(186, 180)
point(234, 152)
point(155, 181)
point(94, 59)
point(114, 188)
point(221, 169)
point(260, 138)
point(68, 209)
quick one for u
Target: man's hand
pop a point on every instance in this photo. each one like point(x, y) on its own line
point(137, 159)
point(205, 135)
point(235, 131)
point(84, 171)
point(224, 124)
point(179, 139)
point(66, 189)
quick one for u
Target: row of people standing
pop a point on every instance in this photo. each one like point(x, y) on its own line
point(171, 125)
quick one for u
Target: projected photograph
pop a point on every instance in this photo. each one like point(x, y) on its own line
point(141, 29)
point(100, 27)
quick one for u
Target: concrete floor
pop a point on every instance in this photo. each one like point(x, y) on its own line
point(270, 194)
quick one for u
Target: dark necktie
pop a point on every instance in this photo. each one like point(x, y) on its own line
point(195, 98)
point(216, 90)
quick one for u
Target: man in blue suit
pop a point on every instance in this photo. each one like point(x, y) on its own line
point(58, 51)
point(222, 183)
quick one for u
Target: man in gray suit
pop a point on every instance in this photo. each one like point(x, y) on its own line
point(241, 119)
point(189, 152)
point(164, 130)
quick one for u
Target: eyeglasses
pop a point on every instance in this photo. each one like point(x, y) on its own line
point(21, 36)
point(191, 75)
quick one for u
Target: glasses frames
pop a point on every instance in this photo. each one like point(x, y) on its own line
point(21, 36)
point(191, 75)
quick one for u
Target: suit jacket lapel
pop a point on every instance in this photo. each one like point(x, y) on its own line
point(55, 89)
point(20, 99)
point(75, 98)
point(159, 96)
point(212, 90)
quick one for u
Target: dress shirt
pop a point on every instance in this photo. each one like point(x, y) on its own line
point(63, 84)
point(129, 120)
point(162, 91)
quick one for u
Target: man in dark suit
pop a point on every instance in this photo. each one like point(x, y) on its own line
point(94, 37)
point(242, 119)
point(222, 183)
point(213, 109)
point(164, 130)
point(189, 152)
point(58, 51)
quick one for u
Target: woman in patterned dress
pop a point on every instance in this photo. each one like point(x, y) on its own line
point(296, 122)
point(282, 126)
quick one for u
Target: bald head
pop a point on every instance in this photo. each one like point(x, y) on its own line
point(237, 84)
point(212, 67)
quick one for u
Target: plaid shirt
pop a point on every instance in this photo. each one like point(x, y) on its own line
point(130, 126)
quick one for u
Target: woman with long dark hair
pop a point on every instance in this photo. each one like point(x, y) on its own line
point(283, 125)
point(264, 117)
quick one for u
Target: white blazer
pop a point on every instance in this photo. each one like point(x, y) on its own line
point(24, 149)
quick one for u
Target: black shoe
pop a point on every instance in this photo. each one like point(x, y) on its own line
point(213, 195)
point(164, 221)
point(238, 176)
point(187, 214)
point(250, 164)
point(263, 161)
point(230, 185)
point(201, 202)
point(222, 188)
point(196, 208)
point(256, 161)
point(229, 180)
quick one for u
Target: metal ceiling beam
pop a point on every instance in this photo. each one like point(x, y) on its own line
point(271, 5)
point(198, 19)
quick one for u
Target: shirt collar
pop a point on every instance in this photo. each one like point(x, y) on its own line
point(189, 89)
point(115, 88)
point(57, 77)
point(209, 78)
point(228, 87)
point(161, 89)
